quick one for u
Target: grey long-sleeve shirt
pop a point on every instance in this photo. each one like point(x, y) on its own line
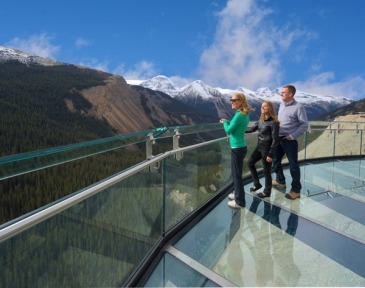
point(293, 119)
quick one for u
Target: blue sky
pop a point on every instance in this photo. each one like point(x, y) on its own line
point(318, 45)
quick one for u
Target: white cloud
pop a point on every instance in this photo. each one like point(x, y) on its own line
point(322, 84)
point(246, 49)
point(38, 44)
point(81, 42)
point(141, 71)
point(95, 64)
point(250, 51)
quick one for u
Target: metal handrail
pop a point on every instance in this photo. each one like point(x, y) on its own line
point(49, 211)
point(52, 210)
point(19, 164)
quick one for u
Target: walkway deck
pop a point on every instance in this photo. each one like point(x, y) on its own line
point(318, 240)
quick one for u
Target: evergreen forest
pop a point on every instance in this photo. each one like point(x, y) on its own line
point(33, 111)
point(34, 116)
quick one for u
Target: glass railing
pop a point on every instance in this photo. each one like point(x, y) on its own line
point(18, 164)
point(332, 139)
point(102, 233)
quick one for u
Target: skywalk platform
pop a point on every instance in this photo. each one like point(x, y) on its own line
point(317, 240)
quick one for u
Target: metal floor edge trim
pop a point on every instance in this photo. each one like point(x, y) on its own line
point(211, 275)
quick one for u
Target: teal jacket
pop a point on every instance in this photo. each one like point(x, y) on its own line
point(236, 129)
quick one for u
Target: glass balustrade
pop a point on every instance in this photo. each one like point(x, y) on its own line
point(96, 242)
point(115, 210)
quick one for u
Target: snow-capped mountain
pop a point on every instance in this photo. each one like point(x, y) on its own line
point(216, 100)
point(204, 98)
point(7, 54)
point(198, 89)
point(160, 83)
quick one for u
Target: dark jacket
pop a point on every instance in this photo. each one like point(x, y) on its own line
point(268, 138)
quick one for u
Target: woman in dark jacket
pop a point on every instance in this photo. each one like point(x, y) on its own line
point(268, 140)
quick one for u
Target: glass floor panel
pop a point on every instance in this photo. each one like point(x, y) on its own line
point(350, 168)
point(329, 177)
point(180, 275)
point(317, 240)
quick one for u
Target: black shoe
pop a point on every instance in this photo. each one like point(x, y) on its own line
point(256, 187)
point(263, 194)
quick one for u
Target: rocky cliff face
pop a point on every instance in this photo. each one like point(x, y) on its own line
point(133, 108)
point(119, 105)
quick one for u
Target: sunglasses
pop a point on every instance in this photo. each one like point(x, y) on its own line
point(234, 100)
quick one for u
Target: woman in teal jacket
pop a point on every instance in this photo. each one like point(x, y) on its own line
point(236, 129)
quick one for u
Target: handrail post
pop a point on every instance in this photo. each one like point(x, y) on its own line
point(151, 141)
point(175, 144)
point(149, 144)
point(360, 142)
point(334, 143)
point(305, 144)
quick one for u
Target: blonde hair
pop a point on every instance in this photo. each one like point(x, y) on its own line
point(270, 112)
point(245, 108)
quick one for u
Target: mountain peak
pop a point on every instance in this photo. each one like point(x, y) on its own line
point(198, 88)
point(8, 54)
point(161, 83)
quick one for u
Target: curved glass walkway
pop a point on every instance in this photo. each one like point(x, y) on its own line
point(318, 240)
point(163, 221)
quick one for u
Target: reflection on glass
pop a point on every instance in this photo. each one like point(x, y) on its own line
point(194, 179)
point(272, 249)
point(98, 242)
point(272, 213)
point(207, 240)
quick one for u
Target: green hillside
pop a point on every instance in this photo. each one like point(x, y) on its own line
point(34, 116)
point(33, 107)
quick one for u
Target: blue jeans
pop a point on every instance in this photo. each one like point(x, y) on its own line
point(290, 149)
point(237, 156)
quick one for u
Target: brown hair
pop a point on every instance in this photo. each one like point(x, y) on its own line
point(270, 112)
point(291, 88)
point(245, 108)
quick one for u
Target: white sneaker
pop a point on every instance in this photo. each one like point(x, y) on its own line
point(234, 205)
point(212, 188)
point(231, 196)
point(203, 189)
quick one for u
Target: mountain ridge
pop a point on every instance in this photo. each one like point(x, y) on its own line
point(130, 106)
point(216, 100)
point(45, 106)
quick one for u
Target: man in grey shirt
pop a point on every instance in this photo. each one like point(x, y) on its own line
point(293, 123)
